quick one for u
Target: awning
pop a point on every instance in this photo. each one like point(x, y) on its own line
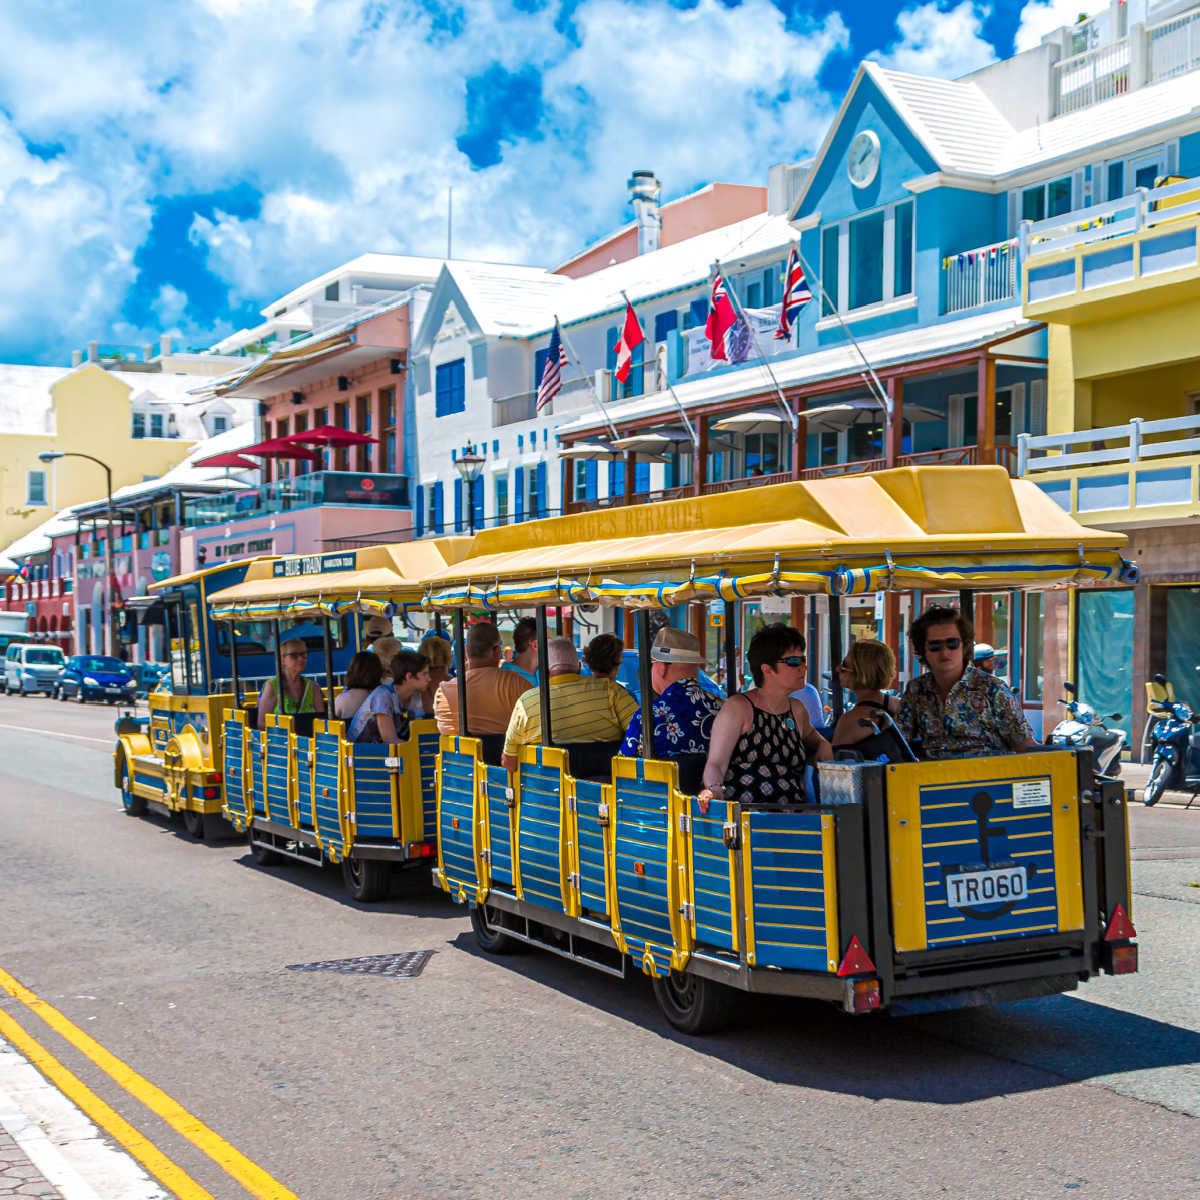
point(287, 358)
point(914, 527)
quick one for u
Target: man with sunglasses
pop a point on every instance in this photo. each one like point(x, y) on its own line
point(956, 710)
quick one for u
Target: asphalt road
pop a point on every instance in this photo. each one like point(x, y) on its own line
point(529, 1076)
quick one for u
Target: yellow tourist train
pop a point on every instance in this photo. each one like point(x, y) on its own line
point(856, 897)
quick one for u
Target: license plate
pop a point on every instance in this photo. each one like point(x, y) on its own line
point(991, 885)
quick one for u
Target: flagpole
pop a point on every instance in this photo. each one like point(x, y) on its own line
point(562, 333)
point(787, 408)
point(670, 387)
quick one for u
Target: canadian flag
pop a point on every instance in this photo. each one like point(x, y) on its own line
point(631, 338)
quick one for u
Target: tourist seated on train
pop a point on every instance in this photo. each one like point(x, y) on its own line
point(866, 731)
point(763, 739)
point(524, 660)
point(491, 693)
point(588, 714)
point(956, 710)
point(683, 710)
point(603, 656)
point(291, 694)
point(383, 716)
point(363, 675)
point(437, 649)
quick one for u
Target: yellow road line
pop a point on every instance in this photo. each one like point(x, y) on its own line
point(249, 1174)
point(71, 1086)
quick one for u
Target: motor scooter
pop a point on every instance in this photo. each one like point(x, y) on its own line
point(1175, 743)
point(1083, 729)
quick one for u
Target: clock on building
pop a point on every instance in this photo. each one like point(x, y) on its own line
point(862, 163)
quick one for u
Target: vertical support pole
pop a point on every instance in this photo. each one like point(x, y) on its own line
point(278, 669)
point(700, 462)
point(731, 675)
point(233, 664)
point(437, 621)
point(460, 657)
point(630, 468)
point(800, 436)
point(835, 657)
point(544, 674)
point(327, 641)
point(893, 445)
point(985, 420)
point(558, 621)
point(643, 638)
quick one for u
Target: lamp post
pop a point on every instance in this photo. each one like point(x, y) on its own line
point(470, 466)
point(49, 456)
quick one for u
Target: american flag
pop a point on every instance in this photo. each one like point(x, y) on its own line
point(796, 294)
point(551, 381)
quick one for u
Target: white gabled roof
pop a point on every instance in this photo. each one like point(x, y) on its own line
point(507, 300)
point(25, 402)
point(408, 267)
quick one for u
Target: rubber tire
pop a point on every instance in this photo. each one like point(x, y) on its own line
point(79, 695)
point(693, 1004)
point(61, 693)
point(262, 856)
point(1114, 769)
point(133, 804)
point(193, 822)
point(367, 879)
point(1157, 783)
point(488, 931)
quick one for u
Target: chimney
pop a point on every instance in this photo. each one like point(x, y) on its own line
point(643, 195)
point(76, 357)
point(93, 353)
point(147, 352)
point(165, 344)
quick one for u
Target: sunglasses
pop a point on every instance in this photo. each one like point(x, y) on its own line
point(794, 660)
point(937, 643)
point(295, 654)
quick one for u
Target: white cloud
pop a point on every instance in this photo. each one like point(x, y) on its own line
point(1040, 17)
point(169, 306)
point(940, 43)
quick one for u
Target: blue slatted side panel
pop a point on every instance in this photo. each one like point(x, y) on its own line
point(278, 765)
point(458, 805)
point(231, 767)
point(257, 791)
point(372, 791)
point(788, 890)
point(538, 833)
point(499, 826)
point(711, 885)
point(641, 833)
point(592, 895)
point(328, 824)
point(304, 778)
point(951, 839)
point(146, 779)
point(427, 752)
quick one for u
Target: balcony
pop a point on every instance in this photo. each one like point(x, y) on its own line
point(1140, 474)
point(509, 410)
point(985, 275)
point(335, 488)
point(1104, 260)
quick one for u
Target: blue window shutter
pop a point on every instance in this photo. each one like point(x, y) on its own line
point(664, 323)
point(435, 517)
point(768, 286)
point(699, 312)
point(477, 501)
point(458, 506)
point(519, 497)
point(420, 511)
point(616, 479)
point(541, 487)
point(610, 357)
point(591, 474)
point(641, 477)
point(539, 366)
point(635, 385)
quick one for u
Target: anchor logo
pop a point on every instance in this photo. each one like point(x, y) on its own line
point(982, 804)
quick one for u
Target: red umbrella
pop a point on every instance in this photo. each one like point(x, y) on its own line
point(328, 435)
point(226, 460)
point(281, 448)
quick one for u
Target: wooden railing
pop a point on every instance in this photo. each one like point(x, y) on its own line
point(730, 485)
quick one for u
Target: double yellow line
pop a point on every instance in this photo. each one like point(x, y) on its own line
point(252, 1177)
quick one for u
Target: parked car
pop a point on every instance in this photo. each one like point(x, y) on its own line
point(96, 677)
point(29, 667)
point(148, 676)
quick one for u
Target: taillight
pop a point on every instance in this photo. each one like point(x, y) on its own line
point(862, 995)
point(210, 793)
point(1123, 960)
point(217, 777)
point(419, 850)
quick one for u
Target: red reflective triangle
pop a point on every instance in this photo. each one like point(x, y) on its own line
point(856, 961)
point(1120, 926)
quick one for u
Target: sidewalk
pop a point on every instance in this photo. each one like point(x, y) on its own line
point(18, 1175)
point(1135, 776)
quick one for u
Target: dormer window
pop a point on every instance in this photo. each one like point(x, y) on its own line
point(333, 291)
point(868, 260)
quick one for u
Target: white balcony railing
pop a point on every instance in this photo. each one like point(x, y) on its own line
point(509, 410)
point(980, 276)
point(1086, 79)
point(1060, 451)
point(1174, 46)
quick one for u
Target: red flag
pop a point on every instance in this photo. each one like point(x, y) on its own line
point(631, 338)
point(721, 318)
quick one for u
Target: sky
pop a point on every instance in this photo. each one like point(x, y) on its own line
point(174, 168)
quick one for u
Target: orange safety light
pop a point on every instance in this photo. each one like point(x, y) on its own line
point(1124, 960)
point(1120, 926)
point(639, 868)
point(453, 822)
point(864, 996)
point(856, 960)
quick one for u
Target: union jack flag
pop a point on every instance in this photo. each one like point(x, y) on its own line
point(551, 382)
point(796, 294)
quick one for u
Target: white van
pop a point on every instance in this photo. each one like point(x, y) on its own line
point(29, 667)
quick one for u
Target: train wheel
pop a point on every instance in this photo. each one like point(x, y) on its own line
point(193, 822)
point(132, 803)
point(366, 879)
point(263, 856)
point(692, 1003)
point(488, 924)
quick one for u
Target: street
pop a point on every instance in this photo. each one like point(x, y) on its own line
point(531, 1076)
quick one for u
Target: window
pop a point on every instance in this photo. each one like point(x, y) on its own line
point(1116, 180)
point(156, 425)
point(35, 487)
point(879, 259)
point(387, 415)
point(754, 295)
point(830, 238)
point(1032, 657)
point(866, 260)
point(664, 324)
point(696, 315)
point(1046, 200)
point(139, 425)
point(902, 251)
point(219, 424)
point(501, 498)
point(333, 292)
point(450, 394)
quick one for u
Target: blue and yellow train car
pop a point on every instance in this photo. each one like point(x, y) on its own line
point(902, 886)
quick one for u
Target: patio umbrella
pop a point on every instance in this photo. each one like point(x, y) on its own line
point(328, 435)
point(227, 460)
point(760, 421)
point(660, 442)
point(833, 418)
point(281, 448)
point(589, 450)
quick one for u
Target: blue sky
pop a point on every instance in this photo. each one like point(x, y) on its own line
point(175, 168)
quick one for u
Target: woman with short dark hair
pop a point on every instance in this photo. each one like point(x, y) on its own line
point(383, 716)
point(603, 655)
point(363, 676)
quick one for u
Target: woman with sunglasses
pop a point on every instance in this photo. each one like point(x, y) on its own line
point(762, 739)
point(868, 667)
point(956, 710)
point(292, 693)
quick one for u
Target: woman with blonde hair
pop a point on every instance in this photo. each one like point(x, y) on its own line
point(438, 654)
point(291, 693)
point(867, 669)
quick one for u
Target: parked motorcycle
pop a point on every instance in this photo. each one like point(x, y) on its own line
point(1175, 743)
point(1084, 730)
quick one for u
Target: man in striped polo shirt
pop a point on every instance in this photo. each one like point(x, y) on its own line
point(583, 708)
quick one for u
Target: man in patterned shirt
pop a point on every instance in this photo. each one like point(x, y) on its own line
point(958, 711)
point(683, 710)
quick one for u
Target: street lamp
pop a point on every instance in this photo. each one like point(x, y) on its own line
point(470, 467)
point(49, 456)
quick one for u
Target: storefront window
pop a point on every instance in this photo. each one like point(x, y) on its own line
point(1035, 607)
point(1104, 652)
point(1183, 644)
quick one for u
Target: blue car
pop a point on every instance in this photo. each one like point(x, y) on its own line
point(148, 675)
point(96, 677)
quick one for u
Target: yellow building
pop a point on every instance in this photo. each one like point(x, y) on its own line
point(140, 423)
point(1121, 295)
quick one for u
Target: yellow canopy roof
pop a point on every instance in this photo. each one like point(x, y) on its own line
point(909, 527)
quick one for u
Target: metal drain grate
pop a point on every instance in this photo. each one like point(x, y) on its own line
point(395, 966)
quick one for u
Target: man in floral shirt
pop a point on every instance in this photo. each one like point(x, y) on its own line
point(958, 711)
point(683, 710)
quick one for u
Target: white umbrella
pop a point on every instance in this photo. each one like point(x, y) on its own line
point(651, 443)
point(862, 411)
point(761, 421)
point(588, 450)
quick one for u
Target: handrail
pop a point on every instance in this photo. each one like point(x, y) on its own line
point(1135, 432)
